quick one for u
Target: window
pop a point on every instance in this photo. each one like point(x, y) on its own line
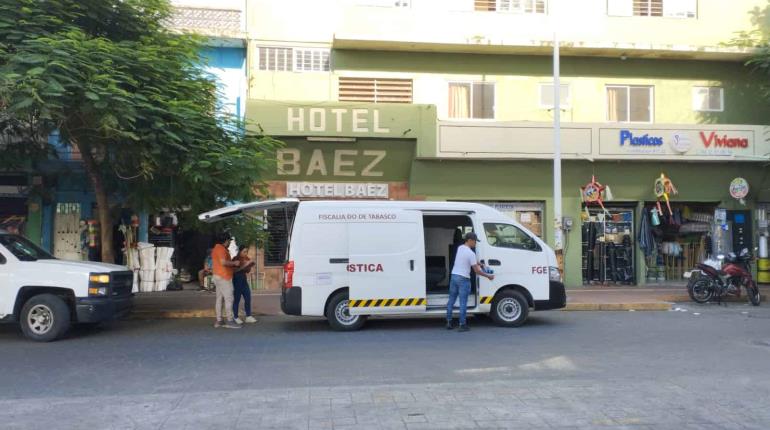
point(23, 249)
point(666, 8)
point(375, 90)
point(279, 59)
point(708, 99)
point(472, 100)
point(546, 96)
point(275, 59)
point(311, 60)
point(629, 103)
point(515, 6)
point(509, 236)
point(385, 3)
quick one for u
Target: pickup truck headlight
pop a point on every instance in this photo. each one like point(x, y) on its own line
point(97, 278)
point(98, 285)
point(97, 291)
point(554, 274)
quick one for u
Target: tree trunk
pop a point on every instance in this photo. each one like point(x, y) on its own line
point(102, 201)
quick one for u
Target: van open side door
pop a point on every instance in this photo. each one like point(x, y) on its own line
point(386, 264)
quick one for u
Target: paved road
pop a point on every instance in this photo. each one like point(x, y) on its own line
point(707, 367)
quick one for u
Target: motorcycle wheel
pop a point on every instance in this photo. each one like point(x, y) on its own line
point(700, 289)
point(753, 292)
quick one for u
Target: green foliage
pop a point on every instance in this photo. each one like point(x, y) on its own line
point(123, 88)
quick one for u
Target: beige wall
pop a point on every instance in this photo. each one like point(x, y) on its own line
point(582, 23)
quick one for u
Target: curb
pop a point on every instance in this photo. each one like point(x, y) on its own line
point(655, 306)
point(571, 307)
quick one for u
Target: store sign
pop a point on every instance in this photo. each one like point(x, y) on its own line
point(739, 188)
point(337, 190)
point(628, 138)
point(713, 140)
point(657, 143)
point(336, 119)
point(680, 142)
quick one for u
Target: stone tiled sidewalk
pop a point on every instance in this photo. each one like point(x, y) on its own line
point(534, 404)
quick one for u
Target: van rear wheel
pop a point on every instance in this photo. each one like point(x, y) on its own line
point(509, 309)
point(338, 314)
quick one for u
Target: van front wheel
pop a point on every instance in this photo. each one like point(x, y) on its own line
point(509, 309)
point(338, 314)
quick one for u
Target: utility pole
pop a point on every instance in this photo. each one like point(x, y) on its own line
point(557, 210)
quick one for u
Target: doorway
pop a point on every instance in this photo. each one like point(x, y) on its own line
point(68, 243)
point(443, 235)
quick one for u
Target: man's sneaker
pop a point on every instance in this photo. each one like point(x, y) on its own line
point(250, 319)
point(231, 324)
point(218, 324)
point(463, 327)
point(449, 325)
point(238, 321)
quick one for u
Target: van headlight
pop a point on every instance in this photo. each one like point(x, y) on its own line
point(554, 274)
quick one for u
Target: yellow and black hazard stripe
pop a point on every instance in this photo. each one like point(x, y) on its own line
point(381, 303)
point(485, 300)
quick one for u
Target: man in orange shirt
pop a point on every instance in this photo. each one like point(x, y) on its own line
point(223, 267)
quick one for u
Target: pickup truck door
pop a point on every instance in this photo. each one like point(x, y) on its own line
point(387, 262)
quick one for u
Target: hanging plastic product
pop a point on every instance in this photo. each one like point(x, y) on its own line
point(664, 188)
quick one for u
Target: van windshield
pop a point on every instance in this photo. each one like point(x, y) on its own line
point(23, 249)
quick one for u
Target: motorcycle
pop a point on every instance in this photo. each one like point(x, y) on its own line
point(713, 280)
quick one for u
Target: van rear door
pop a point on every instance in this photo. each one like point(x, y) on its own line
point(386, 264)
point(252, 209)
point(277, 217)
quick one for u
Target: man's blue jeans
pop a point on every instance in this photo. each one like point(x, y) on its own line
point(458, 286)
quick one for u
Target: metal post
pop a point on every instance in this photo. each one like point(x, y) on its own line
point(557, 214)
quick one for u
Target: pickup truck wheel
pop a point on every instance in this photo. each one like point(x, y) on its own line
point(509, 309)
point(338, 314)
point(45, 318)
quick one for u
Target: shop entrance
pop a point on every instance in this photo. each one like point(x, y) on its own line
point(679, 239)
point(67, 242)
point(607, 245)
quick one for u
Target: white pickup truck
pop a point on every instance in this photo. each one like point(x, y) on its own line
point(46, 295)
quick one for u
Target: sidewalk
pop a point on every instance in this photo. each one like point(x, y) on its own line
point(196, 304)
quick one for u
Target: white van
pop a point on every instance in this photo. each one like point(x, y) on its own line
point(347, 260)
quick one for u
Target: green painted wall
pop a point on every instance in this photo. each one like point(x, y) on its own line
point(33, 226)
point(630, 182)
point(518, 77)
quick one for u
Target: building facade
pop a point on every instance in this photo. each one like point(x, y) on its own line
point(453, 100)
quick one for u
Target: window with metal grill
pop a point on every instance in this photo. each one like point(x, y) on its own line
point(665, 8)
point(375, 90)
point(279, 223)
point(311, 60)
point(275, 58)
point(515, 6)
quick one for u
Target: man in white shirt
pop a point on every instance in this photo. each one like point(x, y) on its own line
point(460, 282)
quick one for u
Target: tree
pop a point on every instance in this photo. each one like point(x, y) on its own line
point(131, 96)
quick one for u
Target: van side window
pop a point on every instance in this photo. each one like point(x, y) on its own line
point(509, 236)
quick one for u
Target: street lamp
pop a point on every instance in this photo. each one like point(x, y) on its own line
point(557, 210)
